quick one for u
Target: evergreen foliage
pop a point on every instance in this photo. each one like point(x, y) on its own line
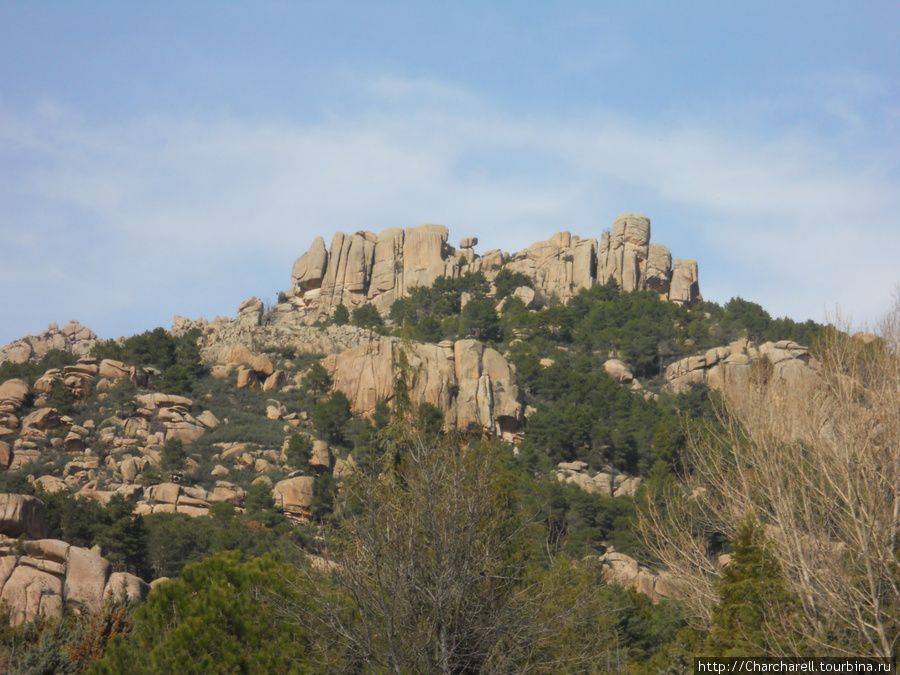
point(506, 282)
point(214, 619)
point(317, 380)
point(341, 316)
point(755, 609)
point(366, 316)
point(299, 451)
point(331, 416)
point(30, 371)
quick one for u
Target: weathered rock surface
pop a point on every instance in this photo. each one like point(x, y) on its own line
point(608, 484)
point(617, 370)
point(22, 514)
point(474, 385)
point(73, 338)
point(364, 267)
point(625, 570)
point(730, 369)
point(294, 496)
point(41, 577)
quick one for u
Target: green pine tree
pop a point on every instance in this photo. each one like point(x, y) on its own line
point(756, 609)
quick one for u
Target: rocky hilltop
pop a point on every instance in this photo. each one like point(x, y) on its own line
point(73, 338)
point(366, 268)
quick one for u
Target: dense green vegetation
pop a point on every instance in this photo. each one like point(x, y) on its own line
point(237, 569)
point(32, 370)
point(177, 358)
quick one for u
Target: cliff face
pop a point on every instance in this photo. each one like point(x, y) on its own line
point(368, 268)
point(474, 385)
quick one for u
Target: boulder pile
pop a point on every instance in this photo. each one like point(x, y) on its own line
point(73, 338)
point(43, 577)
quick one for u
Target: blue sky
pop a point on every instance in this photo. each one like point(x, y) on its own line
point(176, 157)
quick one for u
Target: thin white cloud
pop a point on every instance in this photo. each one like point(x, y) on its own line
point(122, 227)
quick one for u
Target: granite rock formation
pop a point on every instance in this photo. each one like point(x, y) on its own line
point(730, 369)
point(368, 268)
point(43, 577)
point(474, 385)
point(73, 338)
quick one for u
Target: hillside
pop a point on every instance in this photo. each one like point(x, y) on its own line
point(576, 370)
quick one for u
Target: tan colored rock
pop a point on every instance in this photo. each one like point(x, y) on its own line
point(235, 355)
point(627, 487)
point(309, 269)
point(129, 469)
point(488, 393)
point(186, 432)
point(164, 493)
point(321, 456)
point(207, 419)
point(42, 419)
point(219, 372)
point(228, 492)
point(344, 468)
point(658, 270)
point(31, 592)
point(74, 443)
point(73, 338)
point(423, 254)
point(273, 381)
point(617, 370)
point(622, 569)
point(6, 455)
point(86, 576)
point(22, 514)
point(192, 511)
point(247, 379)
point(22, 457)
point(133, 588)
point(263, 366)
point(157, 401)
point(469, 242)
point(685, 285)
point(294, 496)
point(47, 549)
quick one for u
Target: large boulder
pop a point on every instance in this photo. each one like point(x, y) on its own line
point(14, 394)
point(86, 576)
point(309, 268)
point(30, 592)
point(22, 514)
point(294, 496)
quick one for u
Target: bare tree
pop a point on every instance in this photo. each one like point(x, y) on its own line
point(434, 571)
point(816, 460)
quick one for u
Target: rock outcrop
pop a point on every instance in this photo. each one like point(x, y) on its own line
point(627, 256)
point(368, 268)
point(730, 369)
point(626, 571)
point(605, 483)
point(474, 385)
point(73, 338)
point(294, 496)
point(42, 577)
